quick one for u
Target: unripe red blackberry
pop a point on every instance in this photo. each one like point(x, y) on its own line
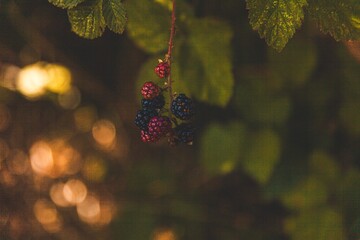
point(150, 90)
point(148, 138)
point(183, 107)
point(162, 69)
point(159, 126)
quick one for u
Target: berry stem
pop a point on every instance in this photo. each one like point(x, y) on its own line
point(168, 55)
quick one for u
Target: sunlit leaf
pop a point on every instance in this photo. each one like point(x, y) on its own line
point(263, 153)
point(214, 56)
point(221, 147)
point(337, 18)
point(87, 20)
point(320, 224)
point(149, 25)
point(115, 15)
point(276, 21)
point(66, 3)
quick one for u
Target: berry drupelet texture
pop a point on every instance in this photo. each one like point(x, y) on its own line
point(183, 107)
point(185, 133)
point(143, 117)
point(162, 69)
point(150, 90)
point(155, 103)
point(159, 126)
point(148, 138)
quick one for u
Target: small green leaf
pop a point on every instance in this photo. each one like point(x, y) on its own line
point(264, 149)
point(276, 21)
point(307, 194)
point(115, 15)
point(221, 147)
point(87, 20)
point(149, 25)
point(286, 64)
point(337, 18)
point(66, 3)
point(213, 56)
point(257, 103)
point(320, 224)
point(324, 167)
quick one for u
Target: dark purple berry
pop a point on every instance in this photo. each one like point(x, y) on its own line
point(183, 107)
point(162, 69)
point(150, 90)
point(155, 103)
point(143, 117)
point(159, 126)
point(185, 133)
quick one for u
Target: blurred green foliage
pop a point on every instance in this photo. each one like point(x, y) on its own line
point(276, 155)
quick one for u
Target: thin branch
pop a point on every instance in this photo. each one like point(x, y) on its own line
point(169, 54)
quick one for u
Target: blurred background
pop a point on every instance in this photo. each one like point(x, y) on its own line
point(277, 150)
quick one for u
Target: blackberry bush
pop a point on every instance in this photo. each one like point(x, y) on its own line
point(156, 120)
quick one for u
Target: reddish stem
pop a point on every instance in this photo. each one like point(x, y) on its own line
point(168, 55)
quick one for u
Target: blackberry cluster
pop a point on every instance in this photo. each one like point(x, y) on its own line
point(152, 119)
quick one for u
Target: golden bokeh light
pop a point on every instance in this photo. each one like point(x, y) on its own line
point(57, 195)
point(32, 80)
point(164, 234)
point(18, 162)
point(47, 214)
point(89, 210)
point(94, 168)
point(104, 133)
point(84, 118)
point(66, 159)
point(75, 191)
point(41, 158)
point(59, 78)
point(70, 99)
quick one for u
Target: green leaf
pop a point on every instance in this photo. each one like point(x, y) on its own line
point(307, 194)
point(221, 147)
point(149, 25)
point(214, 55)
point(258, 104)
point(66, 3)
point(340, 19)
point(286, 64)
point(115, 15)
point(263, 152)
point(324, 167)
point(320, 224)
point(276, 21)
point(87, 20)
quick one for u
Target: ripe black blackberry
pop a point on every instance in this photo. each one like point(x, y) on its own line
point(185, 133)
point(183, 107)
point(143, 117)
point(155, 103)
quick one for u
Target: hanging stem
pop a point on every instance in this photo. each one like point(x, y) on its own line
point(168, 55)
